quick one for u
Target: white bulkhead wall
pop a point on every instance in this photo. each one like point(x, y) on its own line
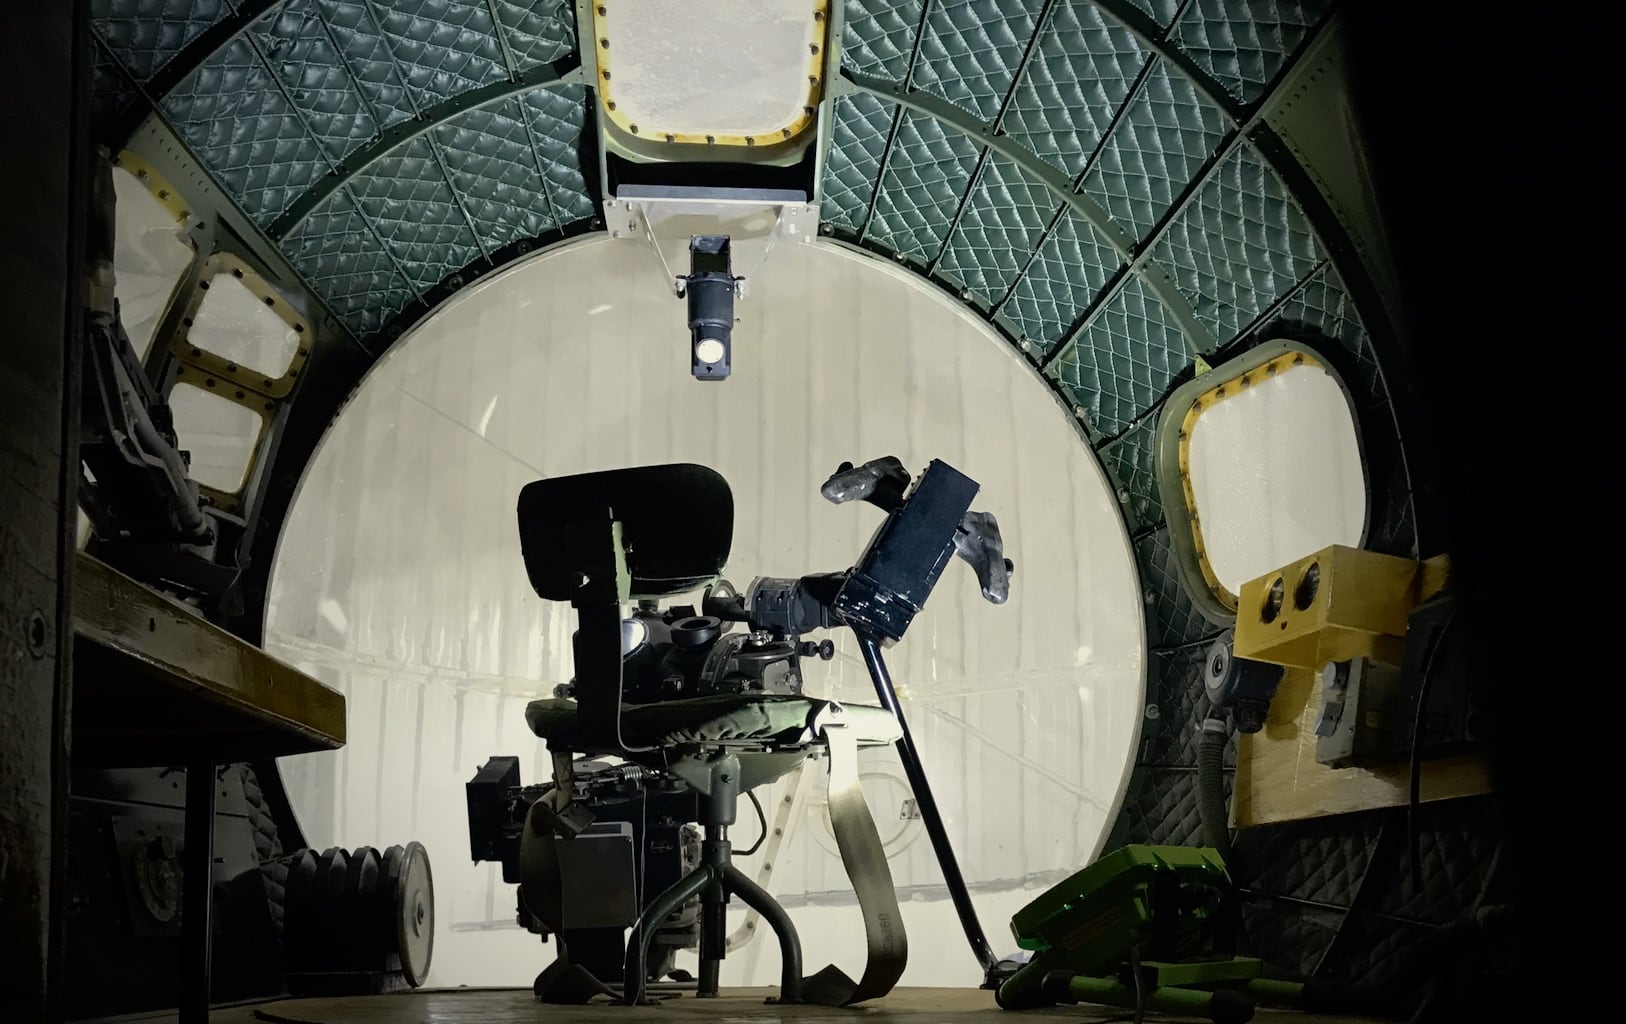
point(399, 580)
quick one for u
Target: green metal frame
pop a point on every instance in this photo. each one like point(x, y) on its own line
point(832, 75)
point(992, 133)
point(216, 222)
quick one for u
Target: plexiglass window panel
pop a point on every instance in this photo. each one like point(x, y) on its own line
point(726, 67)
point(399, 581)
point(235, 323)
point(150, 253)
point(1276, 472)
point(219, 434)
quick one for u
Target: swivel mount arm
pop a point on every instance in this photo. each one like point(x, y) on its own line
point(884, 483)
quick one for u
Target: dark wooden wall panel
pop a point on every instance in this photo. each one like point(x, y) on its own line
point(40, 164)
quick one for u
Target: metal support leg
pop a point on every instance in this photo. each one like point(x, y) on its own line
point(197, 871)
point(790, 946)
point(927, 806)
point(710, 968)
point(643, 932)
point(713, 922)
point(716, 853)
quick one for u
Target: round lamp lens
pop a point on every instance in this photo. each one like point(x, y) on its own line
point(710, 350)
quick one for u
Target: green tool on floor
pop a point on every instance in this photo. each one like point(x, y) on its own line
point(1144, 928)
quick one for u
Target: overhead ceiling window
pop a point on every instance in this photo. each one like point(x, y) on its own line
point(151, 254)
point(1263, 454)
point(220, 434)
point(732, 73)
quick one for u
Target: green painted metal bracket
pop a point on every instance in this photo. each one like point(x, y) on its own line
point(1311, 115)
point(833, 87)
point(217, 222)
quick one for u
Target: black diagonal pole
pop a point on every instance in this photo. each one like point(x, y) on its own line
point(927, 805)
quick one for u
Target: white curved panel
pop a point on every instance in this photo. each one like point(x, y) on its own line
point(399, 578)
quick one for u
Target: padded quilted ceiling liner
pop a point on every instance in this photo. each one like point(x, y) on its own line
point(1091, 176)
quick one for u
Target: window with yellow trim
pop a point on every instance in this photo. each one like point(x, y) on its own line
point(1260, 463)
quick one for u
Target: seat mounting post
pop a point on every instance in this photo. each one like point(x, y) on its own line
point(716, 854)
point(599, 586)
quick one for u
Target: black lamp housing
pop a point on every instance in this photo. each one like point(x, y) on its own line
point(710, 290)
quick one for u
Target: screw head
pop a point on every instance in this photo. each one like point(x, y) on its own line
point(38, 632)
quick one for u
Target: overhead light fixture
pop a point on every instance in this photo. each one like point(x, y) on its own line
point(710, 287)
point(715, 225)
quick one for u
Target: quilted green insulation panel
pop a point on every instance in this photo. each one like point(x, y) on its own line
point(278, 100)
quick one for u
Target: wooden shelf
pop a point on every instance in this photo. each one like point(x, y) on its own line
point(156, 684)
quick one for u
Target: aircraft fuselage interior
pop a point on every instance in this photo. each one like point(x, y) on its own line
point(572, 510)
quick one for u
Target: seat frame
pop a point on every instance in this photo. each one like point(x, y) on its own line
point(601, 583)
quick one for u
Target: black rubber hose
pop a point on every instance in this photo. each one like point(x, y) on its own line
point(762, 819)
point(1211, 787)
point(103, 205)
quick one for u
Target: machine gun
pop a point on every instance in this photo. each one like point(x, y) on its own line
point(605, 846)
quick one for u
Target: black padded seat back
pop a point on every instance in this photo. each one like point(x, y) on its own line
point(677, 525)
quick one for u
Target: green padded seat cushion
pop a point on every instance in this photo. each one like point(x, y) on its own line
point(776, 719)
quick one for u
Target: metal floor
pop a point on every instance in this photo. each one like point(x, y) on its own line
point(739, 1006)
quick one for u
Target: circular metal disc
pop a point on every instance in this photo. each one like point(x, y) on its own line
point(414, 911)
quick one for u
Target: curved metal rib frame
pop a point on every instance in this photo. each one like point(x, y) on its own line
point(1138, 264)
point(196, 53)
point(1058, 183)
point(388, 140)
point(228, 29)
point(1245, 124)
